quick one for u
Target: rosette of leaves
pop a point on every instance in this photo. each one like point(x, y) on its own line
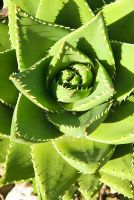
point(66, 96)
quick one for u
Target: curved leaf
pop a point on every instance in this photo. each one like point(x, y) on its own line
point(32, 84)
point(124, 58)
point(5, 119)
point(32, 126)
point(29, 6)
point(8, 92)
point(79, 124)
point(18, 164)
point(121, 26)
point(4, 145)
point(89, 185)
point(54, 175)
point(92, 40)
point(78, 12)
point(120, 165)
point(120, 185)
point(32, 33)
point(4, 37)
point(84, 155)
point(118, 127)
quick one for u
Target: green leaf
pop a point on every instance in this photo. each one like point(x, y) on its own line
point(40, 129)
point(121, 26)
point(64, 57)
point(29, 6)
point(120, 185)
point(102, 91)
point(89, 185)
point(86, 156)
point(71, 193)
point(54, 175)
point(4, 37)
point(124, 58)
point(118, 127)
point(18, 164)
point(80, 124)
point(78, 12)
point(8, 92)
point(4, 145)
point(120, 165)
point(32, 34)
point(32, 84)
point(5, 119)
point(92, 40)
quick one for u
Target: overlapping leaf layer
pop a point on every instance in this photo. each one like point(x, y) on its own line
point(67, 96)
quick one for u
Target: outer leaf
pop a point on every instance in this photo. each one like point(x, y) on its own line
point(40, 129)
point(29, 6)
point(32, 84)
point(118, 127)
point(8, 92)
point(78, 12)
point(18, 164)
point(92, 40)
point(71, 193)
point(124, 69)
point(117, 183)
point(89, 185)
point(4, 145)
point(54, 175)
point(4, 38)
point(84, 155)
point(33, 33)
point(122, 22)
point(5, 119)
point(80, 124)
point(120, 165)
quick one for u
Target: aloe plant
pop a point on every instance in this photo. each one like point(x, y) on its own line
point(67, 96)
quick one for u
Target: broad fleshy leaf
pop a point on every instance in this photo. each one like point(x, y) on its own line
point(84, 155)
point(32, 84)
point(89, 185)
point(92, 40)
point(118, 127)
point(124, 58)
point(4, 145)
point(18, 163)
point(4, 37)
point(32, 126)
point(80, 124)
point(54, 175)
point(72, 13)
point(120, 185)
point(120, 165)
point(8, 65)
point(119, 17)
point(29, 6)
point(32, 33)
point(6, 113)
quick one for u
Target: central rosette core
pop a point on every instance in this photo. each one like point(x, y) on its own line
point(77, 76)
point(73, 83)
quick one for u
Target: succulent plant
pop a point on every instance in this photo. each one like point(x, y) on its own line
point(67, 96)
